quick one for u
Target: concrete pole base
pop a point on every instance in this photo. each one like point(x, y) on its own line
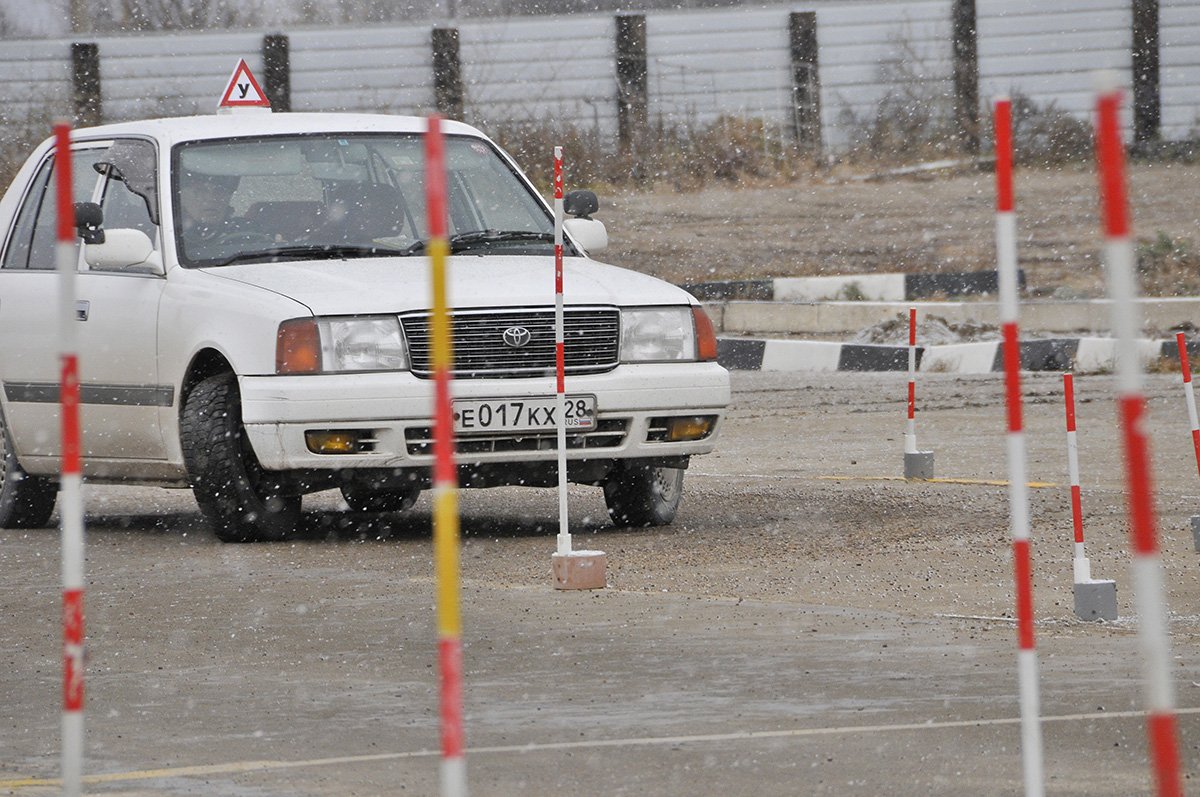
point(1196, 531)
point(1096, 600)
point(579, 570)
point(918, 465)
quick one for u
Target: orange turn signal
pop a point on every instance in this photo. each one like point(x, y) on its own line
point(706, 336)
point(298, 347)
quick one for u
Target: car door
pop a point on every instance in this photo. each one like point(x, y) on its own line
point(117, 313)
point(118, 324)
point(29, 354)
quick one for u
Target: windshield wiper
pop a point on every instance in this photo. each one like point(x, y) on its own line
point(464, 241)
point(308, 252)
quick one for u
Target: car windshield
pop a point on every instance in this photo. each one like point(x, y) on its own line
point(283, 198)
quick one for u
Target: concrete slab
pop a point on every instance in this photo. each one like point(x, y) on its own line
point(918, 465)
point(1096, 600)
point(579, 570)
point(1087, 317)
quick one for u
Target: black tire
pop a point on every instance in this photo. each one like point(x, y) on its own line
point(26, 502)
point(241, 500)
point(362, 498)
point(643, 496)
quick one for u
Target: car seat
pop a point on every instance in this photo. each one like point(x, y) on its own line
point(362, 213)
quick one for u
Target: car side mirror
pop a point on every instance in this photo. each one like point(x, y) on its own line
point(581, 204)
point(89, 222)
point(588, 233)
point(124, 250)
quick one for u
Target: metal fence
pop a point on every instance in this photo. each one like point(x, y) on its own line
point(685, 68)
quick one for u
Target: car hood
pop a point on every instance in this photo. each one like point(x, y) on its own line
point(400, 284)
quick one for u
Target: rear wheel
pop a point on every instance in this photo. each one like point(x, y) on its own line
point(641, 495)
point(26, 502)
point(243, 502)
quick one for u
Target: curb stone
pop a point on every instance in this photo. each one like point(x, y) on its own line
point(1082, 354)
point(895, 287)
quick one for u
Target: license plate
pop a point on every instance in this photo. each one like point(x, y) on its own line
point(523, 414)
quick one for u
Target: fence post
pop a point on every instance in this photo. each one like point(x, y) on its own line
point(806, 79)
point(966, 75)
point(1147, 101)
point(632, 79)
point(447, 73)
point(85, 83)
point(277, 71)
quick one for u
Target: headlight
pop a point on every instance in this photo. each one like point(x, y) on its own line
point(361, 344)
point(324, 345)
point(659, 334)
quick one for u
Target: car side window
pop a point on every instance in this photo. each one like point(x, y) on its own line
point(125, 210)
point(130, 199)
point(17, 255)
point(33, 242)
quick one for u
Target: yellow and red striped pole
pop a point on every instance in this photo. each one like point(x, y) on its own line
point(70, 502)
point(445, 480)
point(1018, 490)
point(1150, 597)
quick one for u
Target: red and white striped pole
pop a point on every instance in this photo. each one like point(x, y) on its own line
point(1181, 343)
point(1082, 567)
point(1018, 491)
point(910, 427)
point(571, 569)
point(70, 501)
point(445, 479)
point(1149, 594)
point(917, 464)
point(1094, 599)
point(1190, 395)
point(560, 407)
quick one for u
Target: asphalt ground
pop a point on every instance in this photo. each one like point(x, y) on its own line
point(811, 624)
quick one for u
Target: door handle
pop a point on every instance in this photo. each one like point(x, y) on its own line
point(82, 308)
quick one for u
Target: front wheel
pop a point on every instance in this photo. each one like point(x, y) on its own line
point(26, 502)
point(241, 500)
point(641, 495)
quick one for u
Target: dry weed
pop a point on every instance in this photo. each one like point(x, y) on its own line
point(1168, 266)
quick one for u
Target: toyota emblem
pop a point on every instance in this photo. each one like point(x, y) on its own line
point(517, 337)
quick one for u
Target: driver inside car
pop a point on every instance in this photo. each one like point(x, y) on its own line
point(206, 217)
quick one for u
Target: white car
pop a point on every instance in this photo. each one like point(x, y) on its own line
point(253, 299)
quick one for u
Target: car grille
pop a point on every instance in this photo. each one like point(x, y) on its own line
point(609, 433)
point(591, 337)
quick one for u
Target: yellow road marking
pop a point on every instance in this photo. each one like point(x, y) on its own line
point(241, 767)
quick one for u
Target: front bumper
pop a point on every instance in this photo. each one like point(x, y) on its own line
point(397, 408)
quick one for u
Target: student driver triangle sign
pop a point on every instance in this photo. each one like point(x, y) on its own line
point(243, 90)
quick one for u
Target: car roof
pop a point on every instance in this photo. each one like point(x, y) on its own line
point(261, 123)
